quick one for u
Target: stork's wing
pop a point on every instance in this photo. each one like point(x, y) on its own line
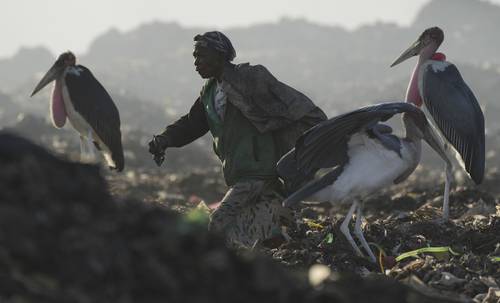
point(325, 145)
point(93, 102)
point(456, 113)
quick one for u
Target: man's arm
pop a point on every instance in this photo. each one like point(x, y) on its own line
point(188, 128)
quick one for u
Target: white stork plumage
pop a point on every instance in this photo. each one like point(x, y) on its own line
point(78, 96)
point(362, 156)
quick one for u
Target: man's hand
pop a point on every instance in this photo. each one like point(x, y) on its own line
point(157, 148)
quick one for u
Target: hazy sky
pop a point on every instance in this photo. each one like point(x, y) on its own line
point(72, 24)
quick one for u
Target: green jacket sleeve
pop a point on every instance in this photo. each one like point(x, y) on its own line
point(188, 128)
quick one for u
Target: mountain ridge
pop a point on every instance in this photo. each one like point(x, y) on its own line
point(336, 67)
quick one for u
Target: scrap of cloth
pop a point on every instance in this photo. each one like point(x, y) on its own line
point(217, 41)
point(220, 100)
point(269, 104)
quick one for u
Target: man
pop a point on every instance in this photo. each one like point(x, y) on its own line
point(254, 119)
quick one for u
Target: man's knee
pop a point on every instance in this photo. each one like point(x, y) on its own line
point(220, 219)
point(215, 223)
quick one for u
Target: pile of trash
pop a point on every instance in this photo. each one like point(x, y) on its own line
point(458, 258)
point(63, 238)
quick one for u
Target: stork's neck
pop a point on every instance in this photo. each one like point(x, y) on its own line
point(411, 130)
point(412, 92)
point(412, 139)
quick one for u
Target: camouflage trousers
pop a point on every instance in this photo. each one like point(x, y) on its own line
point(250, 211)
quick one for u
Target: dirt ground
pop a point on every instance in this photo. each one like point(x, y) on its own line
point(70, 234)
point(401, 222)
point(405, 218)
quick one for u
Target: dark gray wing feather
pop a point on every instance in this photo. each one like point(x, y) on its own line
point(384, 134)
point(325, 145)
point(313, 187)
point(457, 114)
point(93, 102)
point(292, 178)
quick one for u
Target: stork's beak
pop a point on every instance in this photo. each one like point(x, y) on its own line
point(53, 73)
point(413, 50)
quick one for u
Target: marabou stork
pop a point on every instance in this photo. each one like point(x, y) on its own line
point(451, 103)
point(78, 96)
point(363, 157)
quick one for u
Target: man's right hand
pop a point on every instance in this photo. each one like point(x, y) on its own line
point(157, 148)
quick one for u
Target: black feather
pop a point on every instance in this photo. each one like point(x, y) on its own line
point(457, 114)
point(325, 145)
point(94, 104)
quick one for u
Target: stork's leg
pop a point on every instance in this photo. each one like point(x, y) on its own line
point(359, 233)
point(344, 228)
point(83, 149)
point(87, 152)
point(446, 195)
point(90, 146)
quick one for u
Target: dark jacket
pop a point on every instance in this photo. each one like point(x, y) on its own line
point(245, 153)
point(270, 107)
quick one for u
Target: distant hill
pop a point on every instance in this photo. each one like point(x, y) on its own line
point(338, 68)
point(23, 66)
point(471, 28)
point(8, 110)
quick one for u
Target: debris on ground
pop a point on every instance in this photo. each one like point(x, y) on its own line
point(68, 234)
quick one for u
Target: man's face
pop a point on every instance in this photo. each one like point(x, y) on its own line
point(207, 61)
